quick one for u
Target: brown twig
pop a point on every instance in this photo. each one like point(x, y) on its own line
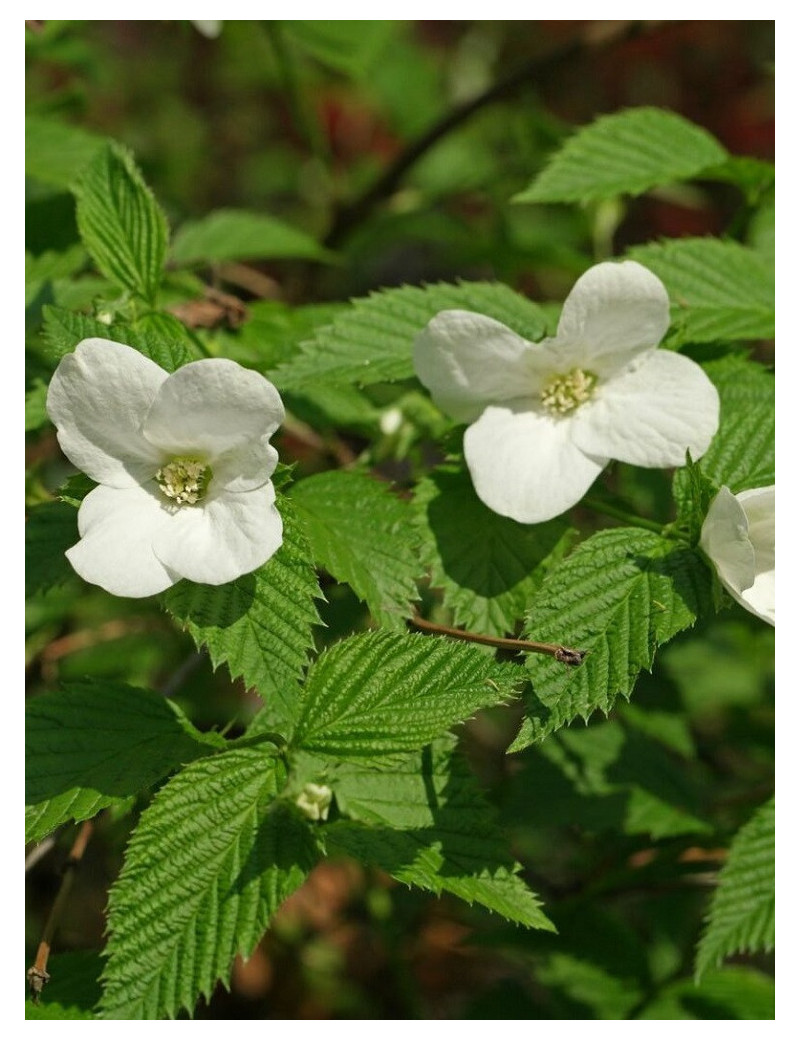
point(37, 973)
point(564, 654)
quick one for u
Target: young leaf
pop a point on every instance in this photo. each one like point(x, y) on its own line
point(429, 824)
point(625, 153)
point(488, 566)
point(742, 914)
point(622, 593)
point(160, 340)
point(94, 744)
point(378, 694)
point(236, 234)
point(719, 290)
point(359, 532)
point(211, 861)
point(742, 453)
point(55, 152)
point(372, 341)
point(121, 223)
point(51, 528)
point(261, 624)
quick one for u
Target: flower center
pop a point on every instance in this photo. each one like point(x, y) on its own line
point(185, 480)
point(565, 392)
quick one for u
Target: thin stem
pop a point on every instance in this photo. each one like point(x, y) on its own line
point(599, 506)
point(37, 973)
point(564, 654)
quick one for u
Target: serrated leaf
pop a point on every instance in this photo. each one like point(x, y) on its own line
point(742, 453)
point(259, 625)
point(429, 824)
point(121, 224)
point(359, 532)
point(94, 744)
point(56, 153)
point(352, 47)
point(237, 234)
point(211, 861)
point(159, 339)
point(693, 492)
point(379, 694)
point(731, 993)
point(605, 777)
point(625, 153)
point(742, 914)
point(719, 290)
point(489, 567)
point(51, 528)
point(372, 341)
point(620, 594)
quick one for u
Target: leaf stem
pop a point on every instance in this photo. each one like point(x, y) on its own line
point(600, 506)
point(564, 654)
point(37, 973)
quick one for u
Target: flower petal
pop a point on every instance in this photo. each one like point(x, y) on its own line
point(246, 467)
point(759, 507)
point(525, 465)
point(211, 406)
point(615, 311)
point(225, 537)
point(651, 414)
point(98, 398)
point(469, 361)
point(117, 527)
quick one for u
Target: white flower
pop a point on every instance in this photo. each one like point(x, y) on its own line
point(547, 417)
point(738, 536)
point(315, 801)
point(210, 30)
point(183, 462)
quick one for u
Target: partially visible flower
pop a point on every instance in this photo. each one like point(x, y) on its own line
point(738, 536)
point(545, 418)
point(183, 463)
point(315, 801)
point(210, 30)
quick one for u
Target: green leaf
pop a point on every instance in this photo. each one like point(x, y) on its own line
point(693, 492)
point(742, 914)
point(488, 566)
point(427, 823)
point(351, 47)
point(261, 624)
point(94, 744)
point(51, 529)
point(56, 153)
point(156, 336)
point(238, 234)
point(359, 532)
point(589, 987)
point(372, 341)
point(731, 993)
point(622, 593)
point(211, 861)
point(72, 990)
point(625, 153)
point(121, 224)
point(35, 410)
point(377, 694)
point(606, 777)
point(719, 290)
point(742, 453)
